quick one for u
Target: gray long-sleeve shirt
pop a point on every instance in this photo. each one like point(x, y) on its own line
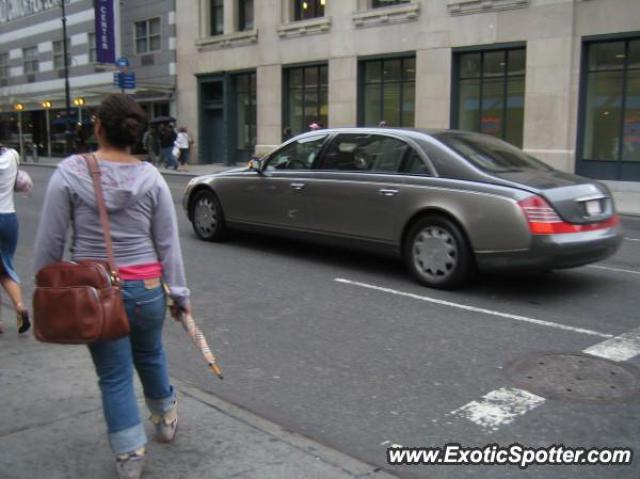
point(141, 216)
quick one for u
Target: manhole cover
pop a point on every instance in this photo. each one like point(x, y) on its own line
point(576, 376)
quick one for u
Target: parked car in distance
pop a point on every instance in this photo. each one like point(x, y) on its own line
point(448, 202)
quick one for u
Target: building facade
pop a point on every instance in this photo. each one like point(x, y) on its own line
point(559, 78)
point(32, 67)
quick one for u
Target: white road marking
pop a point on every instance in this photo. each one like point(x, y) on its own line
point(619, 348)
point(616, 270)
point(632, 239)
point(499, 407)
point(474, 309)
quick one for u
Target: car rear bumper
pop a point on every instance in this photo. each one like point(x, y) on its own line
point(556, 251)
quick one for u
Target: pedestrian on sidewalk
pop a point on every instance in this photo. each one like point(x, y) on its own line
point(9, 161)
point(183, 142)
point(147, 252)
point(167, 144)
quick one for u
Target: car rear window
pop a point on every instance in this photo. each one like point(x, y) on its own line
point(490, 154)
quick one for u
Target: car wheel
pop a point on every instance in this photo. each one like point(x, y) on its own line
point(208, 218)
point(437, 253)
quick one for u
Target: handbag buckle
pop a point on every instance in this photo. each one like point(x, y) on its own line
point(115, 278)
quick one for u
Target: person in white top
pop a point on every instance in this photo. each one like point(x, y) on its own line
point(183, 142)
point(9, 160)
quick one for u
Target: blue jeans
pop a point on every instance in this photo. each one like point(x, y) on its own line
point(168, 158)
point(114, 362)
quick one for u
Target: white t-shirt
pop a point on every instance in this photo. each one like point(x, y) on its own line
point(182, 141)
point(9, 159)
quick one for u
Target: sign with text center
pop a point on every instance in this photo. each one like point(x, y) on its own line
point(105, 31)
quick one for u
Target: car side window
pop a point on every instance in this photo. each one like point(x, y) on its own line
point(364, 152)
point(415, 165)
point(298, 155)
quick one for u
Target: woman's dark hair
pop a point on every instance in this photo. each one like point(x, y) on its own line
point(123, 120)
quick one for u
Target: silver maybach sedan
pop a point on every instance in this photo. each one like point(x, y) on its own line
point(449, 202)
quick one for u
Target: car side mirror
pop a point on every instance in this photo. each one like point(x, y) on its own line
point(255, 164)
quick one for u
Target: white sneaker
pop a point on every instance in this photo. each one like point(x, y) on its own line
point(131, 465)
point(166, 424)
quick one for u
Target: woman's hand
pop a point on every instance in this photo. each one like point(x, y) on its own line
point(176, 310)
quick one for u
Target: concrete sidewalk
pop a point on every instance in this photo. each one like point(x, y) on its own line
point(625, 193)
point(51, 427)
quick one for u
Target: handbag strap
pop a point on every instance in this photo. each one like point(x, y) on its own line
point(94, 170)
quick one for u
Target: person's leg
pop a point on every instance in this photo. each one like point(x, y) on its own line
point(8, 277)
point(184, 156)
point(114, 366)
point(146, 306)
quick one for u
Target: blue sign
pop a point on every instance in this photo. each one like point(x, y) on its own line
point(124, 81)
point(105, 31)
point(122, 62)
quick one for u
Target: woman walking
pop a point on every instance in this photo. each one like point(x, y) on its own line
point(147, 251)
point(9, 160)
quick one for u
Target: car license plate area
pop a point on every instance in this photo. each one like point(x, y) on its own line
point(593, 207)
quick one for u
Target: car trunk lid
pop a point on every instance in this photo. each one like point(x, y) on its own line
point(576, 199)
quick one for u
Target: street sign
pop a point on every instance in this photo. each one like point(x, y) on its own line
point(124, 80)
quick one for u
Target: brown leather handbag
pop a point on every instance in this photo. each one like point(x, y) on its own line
point(81, 302)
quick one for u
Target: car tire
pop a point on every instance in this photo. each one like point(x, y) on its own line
point(438, 254)
point(208, 217)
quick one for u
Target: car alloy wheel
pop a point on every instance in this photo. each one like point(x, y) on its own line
point(208, 219)
point(437, 253)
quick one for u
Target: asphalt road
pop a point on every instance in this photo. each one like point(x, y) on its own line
point(346, 349)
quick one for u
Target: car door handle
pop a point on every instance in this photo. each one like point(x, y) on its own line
point(388, 192)
point(297, 186)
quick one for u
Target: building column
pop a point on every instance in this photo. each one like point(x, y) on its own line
point(269, 107)
point(343, 92)
point(433, 88)
point(549, 112)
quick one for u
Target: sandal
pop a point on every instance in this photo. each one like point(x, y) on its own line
point(24, 324)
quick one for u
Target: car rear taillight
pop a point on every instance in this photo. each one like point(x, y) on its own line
point(543, 219)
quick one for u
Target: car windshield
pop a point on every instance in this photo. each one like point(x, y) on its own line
point(490, 154)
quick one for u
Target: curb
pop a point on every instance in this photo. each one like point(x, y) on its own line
point(348, 464)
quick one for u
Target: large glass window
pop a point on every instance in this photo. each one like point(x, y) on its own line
point(245, 88)
point(30, 60)
point(4, 66)
point(304, 9)
point(490, 93)
point(147, 35)
point(388, 91)
point(307, 97)
point(217, 17)
point(245, 15)
point(384, 3)
point(612, 101)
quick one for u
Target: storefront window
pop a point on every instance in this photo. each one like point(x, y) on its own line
point(388, 91)
point(490, 93)
point(612, 106)
point(307, 97)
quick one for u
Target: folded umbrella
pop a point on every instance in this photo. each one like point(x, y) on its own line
point(195, 333)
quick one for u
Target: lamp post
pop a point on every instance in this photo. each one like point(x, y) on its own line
point(67, 133)
point(19, 107)
point(79, 103)
point(47, 106)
